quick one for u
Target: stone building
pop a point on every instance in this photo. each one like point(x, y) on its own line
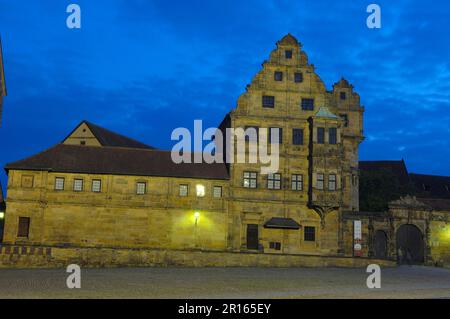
point(100, 189)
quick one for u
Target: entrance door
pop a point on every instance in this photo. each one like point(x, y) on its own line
point(252, 236)
point(380, 244)
point(410, 239)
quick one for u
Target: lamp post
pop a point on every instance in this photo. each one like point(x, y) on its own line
point(196, 217)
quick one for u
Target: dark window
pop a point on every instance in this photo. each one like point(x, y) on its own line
point(297, 182)
point(308, 104)
point(345, 118)
point(268, 101)
point(250, 179)
point(343, 95)
point(24, 227)
point(298, 77)
point(320, 135)
point(280, 135)
point(332, 135)
point(275, 245)
point(288, 54)
point(82, 142)
point(332, 182)
point(253, 138)
point(278, 76)
point(297, 136)
point(426, 187)
point(274, 181)
point(252, 236)
point(310, 233)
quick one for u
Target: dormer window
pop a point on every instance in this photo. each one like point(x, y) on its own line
point(288, 54)
point(278, 76)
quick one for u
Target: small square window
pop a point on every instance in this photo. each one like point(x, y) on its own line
point(278, 76)
point(184, 190)
point(298, 77)
point(59, 183)
point(275, 245)
point(82, 142)
point(217, 191)
point(319, 181)
point(297, 136)
point(96, 185)
point(343, 96)
point(310, 233)
point(274, 181)
point(141, 188)
point(268, 101)
point(308, 104)
point(288, 54)
point(250, 179)
point(77, 185)
point(320, 135)
point(297, 182)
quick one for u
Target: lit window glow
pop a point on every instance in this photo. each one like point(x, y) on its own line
point(200, 190)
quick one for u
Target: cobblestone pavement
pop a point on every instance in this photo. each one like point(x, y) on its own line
point(401, 282)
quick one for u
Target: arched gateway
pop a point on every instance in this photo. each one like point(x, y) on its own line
point(410, 239)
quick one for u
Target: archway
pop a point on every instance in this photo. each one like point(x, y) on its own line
point(410, 239)
point(380, 245)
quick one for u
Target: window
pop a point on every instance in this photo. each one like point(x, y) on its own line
point(96, 185)
point(332, 135)
point(77, 185)
point(274, 181)
point(272, 139)
point(27, 181)
point(319, 181)
point(184, 190)
point(275, 245)
point(310, 233)
point(59, 183)
point(320, 135)
point(298, 77)
point(278, 76)
point(268, 101)
point(297, 136)
point(332, 182)
point(250, 136)
point(297, 182)
point(308, 104)
point(141, 188)
point(82, 142)
point(24, 227)
point(354, 180)
point(343, 95)
point(288, 54)
point(200, 190)
point(217, 191)
point(250, 179)
point(345, 118)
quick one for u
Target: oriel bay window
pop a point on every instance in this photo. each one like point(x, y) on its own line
point(332, 135)
point(274, 181)
point(319, 181)
point(250, 179)
point(320, 135)
point(332, 182)
point(297, 182)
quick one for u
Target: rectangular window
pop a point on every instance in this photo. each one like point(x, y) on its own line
point(319, 181)
point(272, 139)
point(310, 233)
point(297, 182)
point(308, 104)
point(184, 190)
point(288, 54)
point(59, 183)
point(77, 185)
point(141, 188)
point(298, 77)
point(332, 182)
point(274, 181)
point(268, 101)
point(275, 245)
point(343, 95)
point(252, 134)
point(278, 76)
point(332, 135)
point(320, 135)
point(217, 191)
point(96, 185)
point(24, 227)
point(297, 136)
point(250, 179)
point(344, 117)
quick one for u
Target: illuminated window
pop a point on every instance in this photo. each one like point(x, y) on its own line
point(274, 181)
point(59, 183)
point(141, 188)
point(332, 182)
point(184, 190)
point(319, 181)
point(200, 190)
point(96, 185)
point(77, 185)
point(297, 182)
point(250, 179)
point(217, 193)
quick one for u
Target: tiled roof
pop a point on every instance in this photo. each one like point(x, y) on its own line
point(117, 161)
point(431, 186)
point(436, 203)
point(398, 168)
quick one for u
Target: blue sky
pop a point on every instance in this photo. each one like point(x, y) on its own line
point(143, 68)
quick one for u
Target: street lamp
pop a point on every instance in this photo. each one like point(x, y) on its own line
point(196, 216)
point(2, 215)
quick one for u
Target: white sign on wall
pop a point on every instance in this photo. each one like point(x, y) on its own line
point(357, 238)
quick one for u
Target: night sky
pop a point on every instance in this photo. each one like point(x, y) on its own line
point(143, 68)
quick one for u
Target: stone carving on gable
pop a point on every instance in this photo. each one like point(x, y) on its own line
point(408, 202)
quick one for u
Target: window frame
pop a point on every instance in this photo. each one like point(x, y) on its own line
point(274, 181)
point(270, 98)
point(294, 135)
point(288, 54)
point(138, 192)
point(322, 180)
point(214, 191)
point(297, 180)
point(309, 233)
point(75, 180)
point(63, 179)
point(334, 140)
point(99, 185)
point(332, 182)
point(19, 228)
point(320, 131)
point(306, 106)
point(181, 187)
point(298, 77)
point(278, 76)
point(251, 177)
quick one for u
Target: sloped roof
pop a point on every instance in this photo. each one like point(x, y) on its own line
point(398, 168)
point(280, 222)
point(116, 161)
point(109, 138)
point(324, 112)
point(433, 186)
